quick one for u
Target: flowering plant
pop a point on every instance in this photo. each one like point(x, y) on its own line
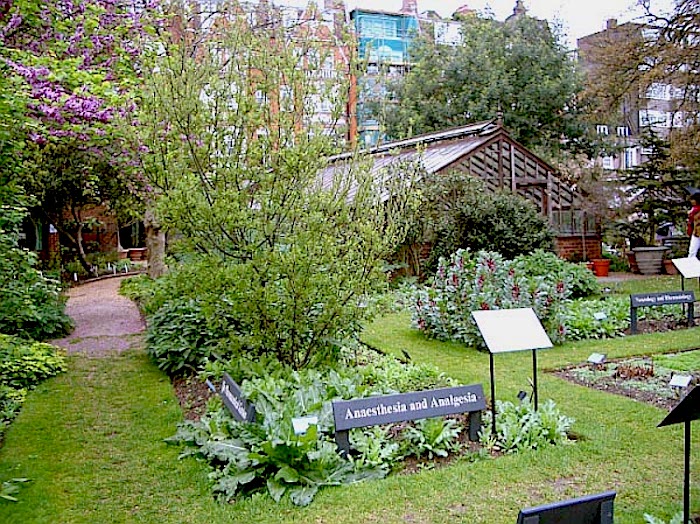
point(469, 282)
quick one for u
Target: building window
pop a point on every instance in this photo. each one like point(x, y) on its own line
point(602, 130)
point(608, 162)
point(630, 158)
point(652, 117)
point(623, 131)
point(659, 91)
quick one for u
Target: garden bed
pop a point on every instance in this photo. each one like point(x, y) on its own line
point(644, 379)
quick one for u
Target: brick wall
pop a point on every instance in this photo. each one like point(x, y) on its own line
point(571, 248)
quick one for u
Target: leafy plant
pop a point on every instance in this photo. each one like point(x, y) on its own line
point(586, 319)
point(433, 436)
point(579, 280)
point(179, 338)
point(470, 282)
point(31, 305)
point(23, 365)
point(267, 455)
point(520, 427)
point(375, 446)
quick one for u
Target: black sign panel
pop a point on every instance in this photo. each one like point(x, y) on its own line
point(662, 299)
point(234, 400)
point(387, 409)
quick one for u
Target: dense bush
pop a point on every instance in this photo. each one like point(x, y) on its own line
point(179, 338)
point(23, 365)
point(459, 212)
point(31, 305)
point(470, 282)
point(580, 281)
point(268, 456)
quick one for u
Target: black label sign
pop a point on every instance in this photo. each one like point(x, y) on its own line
point(662, 299)
point(387, 409)
point(234, 400)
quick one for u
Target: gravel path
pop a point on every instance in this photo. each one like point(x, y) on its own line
point(105, 322)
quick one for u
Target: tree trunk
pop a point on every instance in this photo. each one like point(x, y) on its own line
point(155, 244)
point(81, 250)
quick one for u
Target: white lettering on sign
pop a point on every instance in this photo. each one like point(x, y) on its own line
point(235, 401)
point(399, 407)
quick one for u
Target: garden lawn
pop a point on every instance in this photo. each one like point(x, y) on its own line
point(91, 440)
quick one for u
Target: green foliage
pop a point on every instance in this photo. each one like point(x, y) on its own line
point(520, 427)
point(470, 282)
point(23, 365)
point(375, 446)
point(291, 259)
point(179, 338)
point(459, 212)
point(268, 456)
point(581, 322)
point(433, 437)
point(518, 67)
point(579, 279)
point(685, 361)
point(656, 191)
point(389, 375)
point(676, 519)
point(31, 305)
point(10, 488)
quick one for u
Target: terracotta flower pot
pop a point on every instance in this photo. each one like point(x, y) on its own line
point(601, 267)
point(669, 267)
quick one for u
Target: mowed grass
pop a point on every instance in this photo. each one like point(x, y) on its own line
point(91, 440)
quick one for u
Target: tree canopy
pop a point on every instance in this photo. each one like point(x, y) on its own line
point(518, 68)
point(72, 66)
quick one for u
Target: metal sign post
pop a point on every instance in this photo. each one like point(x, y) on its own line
point(525, 332)
point(685, 411)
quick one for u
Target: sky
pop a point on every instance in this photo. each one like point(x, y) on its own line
point(578, 17)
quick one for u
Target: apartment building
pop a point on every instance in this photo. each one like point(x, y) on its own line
point(656, 107)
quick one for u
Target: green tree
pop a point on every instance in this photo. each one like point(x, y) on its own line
point(654, 192)
point(234, 158)
point(518, 67)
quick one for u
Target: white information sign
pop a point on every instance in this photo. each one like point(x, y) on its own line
point(688, 267)
point(507, 330)
point(301, 424)
point(680, 381)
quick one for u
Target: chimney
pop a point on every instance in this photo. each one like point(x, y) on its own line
point(409, 7)
point(611, 23)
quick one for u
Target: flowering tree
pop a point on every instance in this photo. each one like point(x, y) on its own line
point(74, 64)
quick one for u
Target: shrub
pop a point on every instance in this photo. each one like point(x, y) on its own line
point(458, 212)
point(580, 281)
point(520, 427)
point(179, 338)
point(467, 283)
point(31, 305)
point(23, 365)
